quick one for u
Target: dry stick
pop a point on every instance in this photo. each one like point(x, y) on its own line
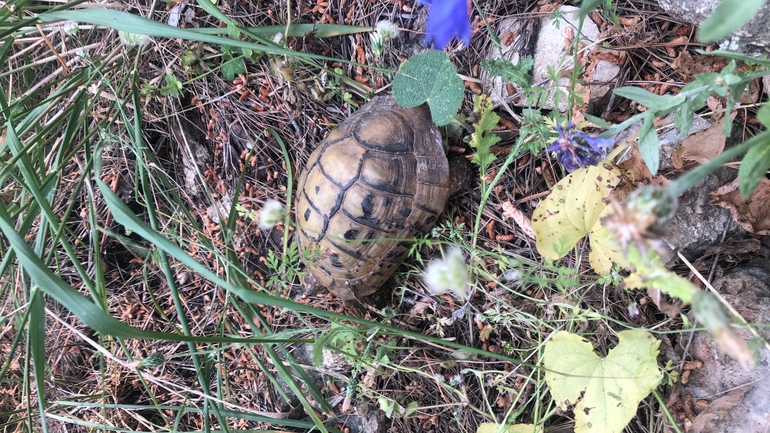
point(53, 50)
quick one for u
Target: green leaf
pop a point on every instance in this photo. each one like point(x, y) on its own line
point(482, 138)
point(650, 100)
point(728, 17)
point(431, 77)
point(517, 74)
point(572, 210)
point(648, 144)
point(753, 167)
point(490, 427)
point(662, 279)
point(233, 67)
point(604, 393)
point(763, 115)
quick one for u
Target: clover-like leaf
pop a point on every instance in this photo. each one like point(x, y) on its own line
point(431, 77)
point(573, 210)
point(603, 393)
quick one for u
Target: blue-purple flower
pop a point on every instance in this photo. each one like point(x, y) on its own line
point(447, 19)
point(575, 149)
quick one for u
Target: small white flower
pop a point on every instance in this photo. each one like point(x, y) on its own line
point(131, 40)
point(386, 29)
point(71, 28)
point(272, 213)
point(382, 31)
point(448, 274)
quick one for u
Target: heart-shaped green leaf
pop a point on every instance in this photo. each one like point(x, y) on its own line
point(603, 393)
point(431, 77)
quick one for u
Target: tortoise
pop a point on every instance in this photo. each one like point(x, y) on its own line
point(377, 181)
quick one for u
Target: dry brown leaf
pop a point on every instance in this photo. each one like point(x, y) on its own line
point(753, 214)
point(634, 167)
point(708, 420)
point(510, 211)
point(701, 146)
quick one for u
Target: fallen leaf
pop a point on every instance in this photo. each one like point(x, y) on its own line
point(753, 213)
point(603, 393)
point(708, 420)
point(512, 212)
point(734, 247)
point(573, 210)
point(490, 427)
point(701, 146)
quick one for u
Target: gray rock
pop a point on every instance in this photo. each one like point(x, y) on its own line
point(697, 224)
point(737, 394)
point(550, 51)
point(753, 38)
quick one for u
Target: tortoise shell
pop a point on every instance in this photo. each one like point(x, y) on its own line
point(377, 181)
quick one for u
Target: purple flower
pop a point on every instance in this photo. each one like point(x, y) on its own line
point(575, 149)
point(446, 19)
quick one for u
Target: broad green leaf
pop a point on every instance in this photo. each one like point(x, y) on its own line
point(233, 67)
point(728, 17)
point(603, 393)
point(431, 77)
point(753, 168)
point(650, 100)
point(648, 144)
point(571, 211)
point(490, 427)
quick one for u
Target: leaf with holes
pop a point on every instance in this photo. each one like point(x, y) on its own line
point(573, 210)
point(603, 393)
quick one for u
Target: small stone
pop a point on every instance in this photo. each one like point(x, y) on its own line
point(752, 39)
point(550, 50)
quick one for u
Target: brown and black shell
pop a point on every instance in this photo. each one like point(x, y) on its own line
point(377, 181)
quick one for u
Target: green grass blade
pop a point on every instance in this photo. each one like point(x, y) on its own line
point(126, 22)
point(295, 30)
point(36, 343)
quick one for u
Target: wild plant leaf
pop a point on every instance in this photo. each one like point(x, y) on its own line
point(648, 144)
point(431, 77)
point(490, 427)
point(482, 138)
point(728, 17)
point(662, 279)
point(605, 250)
point(657, 103)
point(603, 393)
point(753, 168)
point(515, 73)
point(574, 209)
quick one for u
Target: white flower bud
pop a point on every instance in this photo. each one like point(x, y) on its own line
point(272, 213)
point(449, 274)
